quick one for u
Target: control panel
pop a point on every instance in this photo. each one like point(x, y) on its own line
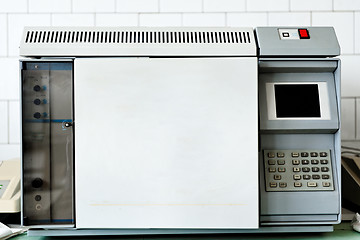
point(293, 33)
point(298, 170)
point(47, 142)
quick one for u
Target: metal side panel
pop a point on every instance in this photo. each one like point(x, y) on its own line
point(166, 143)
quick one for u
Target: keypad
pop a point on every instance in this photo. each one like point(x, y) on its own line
point(298, 170)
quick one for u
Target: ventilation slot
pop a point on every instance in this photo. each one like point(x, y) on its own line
point(112, 37)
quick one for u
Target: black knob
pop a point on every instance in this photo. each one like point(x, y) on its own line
point(68, 124)
point(37, 88)
point(37, 183)
point(37, 115)
point(37, 198)
point(37, 101)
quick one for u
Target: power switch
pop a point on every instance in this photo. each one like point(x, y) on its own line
point(304, 34)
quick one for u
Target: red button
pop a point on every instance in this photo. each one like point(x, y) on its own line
point(304, 34)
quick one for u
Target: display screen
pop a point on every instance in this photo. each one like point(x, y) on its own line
point(297, 100)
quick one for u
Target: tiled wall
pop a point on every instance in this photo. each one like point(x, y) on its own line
point(344, 15)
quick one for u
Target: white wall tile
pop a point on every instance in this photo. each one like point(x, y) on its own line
point(204, 19)
point(4, 122)
point(14, 122)
point(3, 35)
point(9, 80)
point(268, 5)
point(357, 32)
point(16, 23)
point(137, 6)
point(163, 19)
point(116, 20)
point(13, 6)
point(348, 118)
point(311, 5)
point(80, 19)
point(180, 6)
point(340, 5)
point(289, 19)
point(92, 6)
point(343, 22)
point(224, 5)
point(9, 151)
point(350, 77)
point(246, 19)
point(46, 6)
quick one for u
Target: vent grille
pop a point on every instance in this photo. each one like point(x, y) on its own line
point(128, 37)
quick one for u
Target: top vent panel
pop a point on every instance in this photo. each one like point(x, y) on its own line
point(95, 41)
point(136, 37)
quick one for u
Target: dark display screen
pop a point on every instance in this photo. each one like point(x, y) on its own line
point(297, 100)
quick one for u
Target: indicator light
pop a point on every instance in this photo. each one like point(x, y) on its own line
point(304, 34)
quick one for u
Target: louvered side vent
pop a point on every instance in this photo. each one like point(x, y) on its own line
point(137, 37)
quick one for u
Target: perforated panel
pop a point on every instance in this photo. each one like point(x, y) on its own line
point(140, 41)
point(170, 37)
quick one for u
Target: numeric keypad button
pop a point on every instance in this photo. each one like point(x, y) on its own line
point(324, 161)
point(295, 162)
point(297, 177)
point(306, 177)
point(304, 162)
point(313, 154)
point(314, 161)
point(304, 154)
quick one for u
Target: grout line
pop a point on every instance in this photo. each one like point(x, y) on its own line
point(182, 19)
point(267, 19)
point(202, 6)
point(7, 35)
point(28, 6)
point(115, 6)
point(158, 6)
point(8, 121)
point(354, 30)
point(311, 18)
point(355, 110)
point(245, 5)
point(289, 5)
point(226, 19)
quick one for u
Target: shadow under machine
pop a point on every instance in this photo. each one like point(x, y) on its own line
point(130, 131)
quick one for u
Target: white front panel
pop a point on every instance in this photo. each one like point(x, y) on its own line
point(166, 143)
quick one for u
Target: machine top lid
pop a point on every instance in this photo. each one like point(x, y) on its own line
point(137, 41)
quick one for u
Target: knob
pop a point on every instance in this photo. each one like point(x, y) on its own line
point(37, 183)
point(37, 115)
point(44, 101)
point(37, 88)
point(67, 124)
point(37, 101)
point(37, 198)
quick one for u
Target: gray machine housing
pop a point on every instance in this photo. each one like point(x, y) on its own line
point(290, 210)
